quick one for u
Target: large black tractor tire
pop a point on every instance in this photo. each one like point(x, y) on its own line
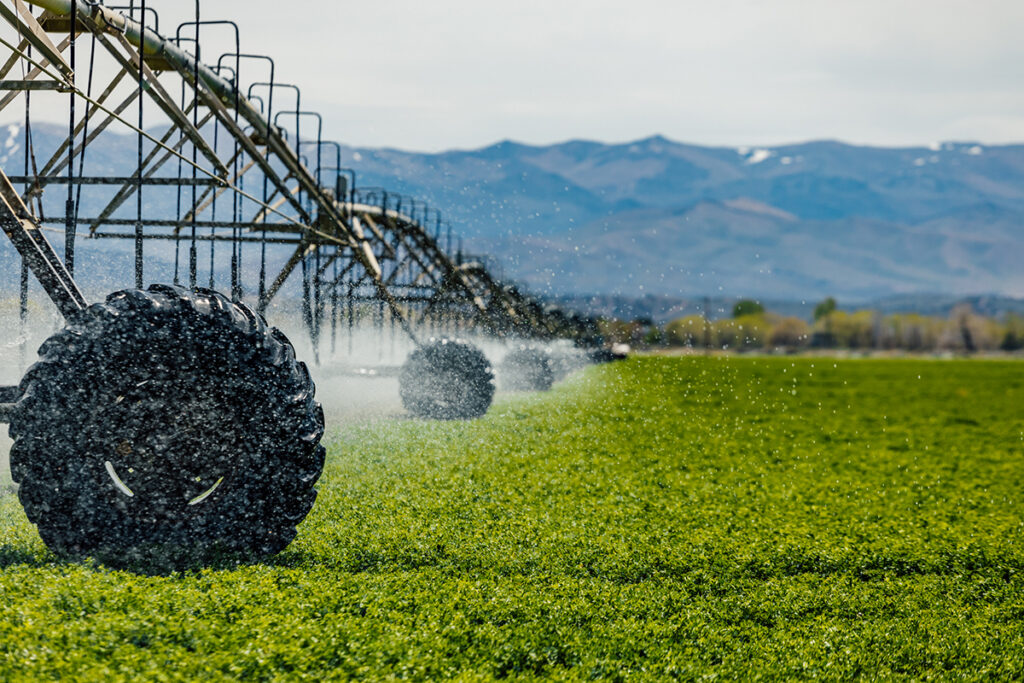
point(447, 380)
point(166, 428)
point(526, 368)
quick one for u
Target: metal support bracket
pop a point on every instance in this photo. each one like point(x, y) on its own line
point(42, 260)
point(35, 85)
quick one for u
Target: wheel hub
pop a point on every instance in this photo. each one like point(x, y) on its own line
point(167, 450)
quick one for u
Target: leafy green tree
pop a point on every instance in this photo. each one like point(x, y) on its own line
point(654, 336)
point(825, 307)
point(746, 307)
point(1011, 342)
point(745, 332)
point(752, 331)
point(914, 332)
point(1013, 333)
point(848, 330)
point(688, 331)
point(790, 332)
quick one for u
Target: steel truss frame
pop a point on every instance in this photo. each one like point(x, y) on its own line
point(351, 244)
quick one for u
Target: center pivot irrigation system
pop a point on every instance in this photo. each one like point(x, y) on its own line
point(172, 423)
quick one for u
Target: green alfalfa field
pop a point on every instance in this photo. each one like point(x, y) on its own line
point(651, 519)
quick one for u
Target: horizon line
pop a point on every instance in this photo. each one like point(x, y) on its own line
point(933, 146)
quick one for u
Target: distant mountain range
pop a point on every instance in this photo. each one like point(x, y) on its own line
point(796, 222)
point(662, 219)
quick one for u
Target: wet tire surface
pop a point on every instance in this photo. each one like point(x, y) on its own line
point(526, 368)
point(165, 428)
point(447, 380)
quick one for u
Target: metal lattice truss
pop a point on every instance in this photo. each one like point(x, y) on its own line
point(237, 177)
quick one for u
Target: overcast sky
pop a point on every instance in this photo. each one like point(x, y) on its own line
point(440, 74)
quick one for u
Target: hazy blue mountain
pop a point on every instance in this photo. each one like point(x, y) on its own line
point(662, 218)
point(791, 222)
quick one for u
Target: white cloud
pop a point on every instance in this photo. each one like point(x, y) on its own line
point(463, 73)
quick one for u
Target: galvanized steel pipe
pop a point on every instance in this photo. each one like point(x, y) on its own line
point(150, 42)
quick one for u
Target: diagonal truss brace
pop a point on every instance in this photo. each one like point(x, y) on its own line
point(37, 251)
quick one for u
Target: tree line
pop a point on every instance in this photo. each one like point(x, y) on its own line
point(751, 327)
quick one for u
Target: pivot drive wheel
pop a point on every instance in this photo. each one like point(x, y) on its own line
point(166, 427)
point(526, 368)
point(447, 380)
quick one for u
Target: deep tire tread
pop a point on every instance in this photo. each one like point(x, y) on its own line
point(447, 380)
point(527, 368)
point(273, 487)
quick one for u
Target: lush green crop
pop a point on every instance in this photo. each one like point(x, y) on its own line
point(655, 518)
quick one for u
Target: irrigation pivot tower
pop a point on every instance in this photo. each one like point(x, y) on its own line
point(171, 422)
